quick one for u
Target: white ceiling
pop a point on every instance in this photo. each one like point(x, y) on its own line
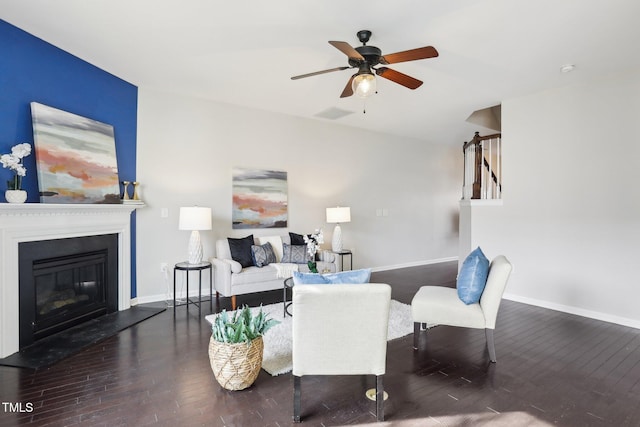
point(244, 52)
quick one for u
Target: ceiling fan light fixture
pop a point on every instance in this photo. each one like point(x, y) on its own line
point(364, 85)
point(365, 58)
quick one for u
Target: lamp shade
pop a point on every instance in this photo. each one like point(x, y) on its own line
point(194, 218)
point(338, 215)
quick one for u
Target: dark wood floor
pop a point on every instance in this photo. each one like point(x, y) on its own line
point(553, 369)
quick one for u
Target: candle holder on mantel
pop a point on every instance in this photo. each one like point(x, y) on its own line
point(125, 193)
point(135, 190)
point(135, 200)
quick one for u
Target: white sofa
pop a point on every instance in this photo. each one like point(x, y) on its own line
point(231, 279)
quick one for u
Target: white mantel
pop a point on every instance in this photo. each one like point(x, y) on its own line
point(39, 221)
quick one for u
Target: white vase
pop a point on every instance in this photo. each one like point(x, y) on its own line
point(15, 196)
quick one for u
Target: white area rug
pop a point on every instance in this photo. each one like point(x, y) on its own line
point(277, 340)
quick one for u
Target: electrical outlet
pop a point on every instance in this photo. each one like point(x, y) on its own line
point(164, 267)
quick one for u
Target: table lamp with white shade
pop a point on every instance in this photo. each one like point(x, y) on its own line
point(338, 215)
point(195, 218)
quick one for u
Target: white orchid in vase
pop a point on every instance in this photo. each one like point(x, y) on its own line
point(313, 242)
point(13, 161)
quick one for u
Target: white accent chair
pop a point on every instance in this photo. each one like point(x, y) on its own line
point(340, 330)
point(439, 305)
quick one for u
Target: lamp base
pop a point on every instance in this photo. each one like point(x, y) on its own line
point(336, 240)
point(195, 248)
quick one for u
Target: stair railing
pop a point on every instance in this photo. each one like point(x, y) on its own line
point(483, 167)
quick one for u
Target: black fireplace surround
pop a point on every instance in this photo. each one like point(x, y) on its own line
point(64, 282)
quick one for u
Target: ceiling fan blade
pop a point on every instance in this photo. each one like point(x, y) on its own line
point(347, 49)
point(398, 77)
point(302, 76)
point(409, 55)
point(348, 89)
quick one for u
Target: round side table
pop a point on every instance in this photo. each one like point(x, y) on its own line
point(288, 284)
point(186, 267)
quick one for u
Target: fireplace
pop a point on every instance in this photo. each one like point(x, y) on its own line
point(32, 222)
point(64, 282)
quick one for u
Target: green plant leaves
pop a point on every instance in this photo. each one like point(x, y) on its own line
point(242, 326)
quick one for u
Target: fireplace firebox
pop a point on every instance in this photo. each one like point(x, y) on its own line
point(64, 282)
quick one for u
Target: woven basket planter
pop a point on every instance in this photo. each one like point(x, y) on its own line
point(236, 366)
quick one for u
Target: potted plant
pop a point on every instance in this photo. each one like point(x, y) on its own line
point(14, 162)
point(313, 242)
point(236, 346)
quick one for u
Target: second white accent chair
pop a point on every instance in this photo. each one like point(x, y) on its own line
point(439, 305)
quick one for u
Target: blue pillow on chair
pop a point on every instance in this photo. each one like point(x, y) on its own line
point(473, 277)
point(308, 279)
point(354, 277)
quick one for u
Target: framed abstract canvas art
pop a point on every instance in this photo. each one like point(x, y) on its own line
point(259, 198)
point(75, 157)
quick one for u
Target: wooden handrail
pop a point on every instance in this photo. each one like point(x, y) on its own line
point(479, 161)
point(477, 139)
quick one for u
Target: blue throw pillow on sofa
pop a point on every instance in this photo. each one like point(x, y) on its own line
point(473, 277)
point(263, 255)
point(294, 254)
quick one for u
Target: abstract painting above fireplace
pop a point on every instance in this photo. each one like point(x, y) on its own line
point(75, 157)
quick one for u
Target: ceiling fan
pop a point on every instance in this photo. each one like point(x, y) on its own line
point(365, 58)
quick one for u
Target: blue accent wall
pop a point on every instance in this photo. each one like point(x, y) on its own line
point(34, 70)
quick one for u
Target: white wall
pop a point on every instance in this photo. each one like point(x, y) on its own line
point(187, 148)
point(570, 222)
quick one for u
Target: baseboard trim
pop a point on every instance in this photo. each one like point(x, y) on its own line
point(597, 315)
point(414, 264)
point(168, 298)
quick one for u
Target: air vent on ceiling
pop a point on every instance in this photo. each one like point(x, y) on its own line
point(333, 113)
